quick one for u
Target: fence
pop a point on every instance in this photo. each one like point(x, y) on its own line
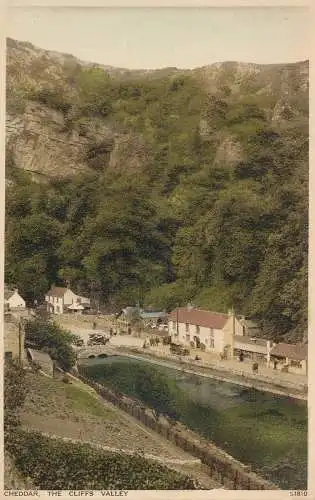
point(221, 466)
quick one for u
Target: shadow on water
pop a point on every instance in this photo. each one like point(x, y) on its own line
point(258, 428)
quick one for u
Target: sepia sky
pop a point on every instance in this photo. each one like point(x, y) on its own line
point(161, 37)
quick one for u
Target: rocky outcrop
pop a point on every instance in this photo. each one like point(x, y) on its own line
point(51, 142)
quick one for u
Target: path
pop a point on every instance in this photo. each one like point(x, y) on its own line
point(148, 456)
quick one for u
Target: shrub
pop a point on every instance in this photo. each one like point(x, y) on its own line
point(15, 391)
point(57, 342)
point(54, 464)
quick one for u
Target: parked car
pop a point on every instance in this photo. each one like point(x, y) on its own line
point(78, 342)
point(97, 339)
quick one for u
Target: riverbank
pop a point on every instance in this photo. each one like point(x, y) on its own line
point(75, 412)
point(232, 371)
point(244, 378)
point(266, 431)
point(230, 471)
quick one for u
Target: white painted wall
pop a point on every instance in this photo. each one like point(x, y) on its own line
point(70, 298)
point(16, 301)
point(213, 339)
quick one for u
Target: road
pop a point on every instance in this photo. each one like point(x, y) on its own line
point(246, 380)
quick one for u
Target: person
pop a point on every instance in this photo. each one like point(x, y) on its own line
point(94, 325)
point(241, 356)
point(255, 367)
point(275, 364)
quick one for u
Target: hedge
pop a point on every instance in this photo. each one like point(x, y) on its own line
point(55, 464)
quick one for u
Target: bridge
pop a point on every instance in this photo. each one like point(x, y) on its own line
point(95, 351)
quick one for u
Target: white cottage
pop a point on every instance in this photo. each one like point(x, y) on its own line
point(212, 331)
point(58, 299)
point(13, 301)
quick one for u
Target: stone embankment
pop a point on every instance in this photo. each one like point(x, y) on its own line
point(221, 466)
point(259, 381)
point(244, 378)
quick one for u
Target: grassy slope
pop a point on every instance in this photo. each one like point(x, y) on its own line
point(75, 411)
point(270, 433)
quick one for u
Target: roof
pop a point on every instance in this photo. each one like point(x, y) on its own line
point(57, 291)
point(199, 317)
point(296, 352)
point(83, 300)
point(152, 314)
point(129, 310)
point(250, 323)
point(250, 340)
point(39, 356)
point(8, 294)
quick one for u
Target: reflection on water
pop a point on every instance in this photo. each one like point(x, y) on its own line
point(265, 430)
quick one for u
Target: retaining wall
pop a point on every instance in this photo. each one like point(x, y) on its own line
point(221, 466)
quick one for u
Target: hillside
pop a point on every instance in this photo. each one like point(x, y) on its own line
point(75, 412)
point(161, 186)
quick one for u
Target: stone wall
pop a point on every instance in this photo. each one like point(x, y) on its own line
point(13, 338)
point(221, 466)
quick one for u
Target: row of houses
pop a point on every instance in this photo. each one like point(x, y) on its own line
point(232, 336)
point(227, 335)
point(58, 300)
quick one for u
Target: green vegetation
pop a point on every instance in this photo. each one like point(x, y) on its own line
point(15, 392)
point(192, 196)
point(54, 464)
point(81, 400)
point(270, 433)
point(51, 338)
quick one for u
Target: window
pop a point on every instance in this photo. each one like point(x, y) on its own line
point(197, 329)
point(212, 343)
point(188, 338)
point(187, 328)
point(8, 355)
point(211, 332)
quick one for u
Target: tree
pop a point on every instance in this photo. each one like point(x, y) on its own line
point(56, 341)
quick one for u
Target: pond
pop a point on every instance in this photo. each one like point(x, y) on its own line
point(258, 428)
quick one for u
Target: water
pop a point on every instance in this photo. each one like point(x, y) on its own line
point(265, 430)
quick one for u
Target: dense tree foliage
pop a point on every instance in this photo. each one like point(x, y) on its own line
point(205, 201)
point(51, 338)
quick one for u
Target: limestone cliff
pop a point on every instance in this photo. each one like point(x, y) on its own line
point(50, 140)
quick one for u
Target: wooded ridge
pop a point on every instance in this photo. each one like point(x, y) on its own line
point(162, 186)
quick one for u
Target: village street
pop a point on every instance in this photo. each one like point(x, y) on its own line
point(208, 365)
